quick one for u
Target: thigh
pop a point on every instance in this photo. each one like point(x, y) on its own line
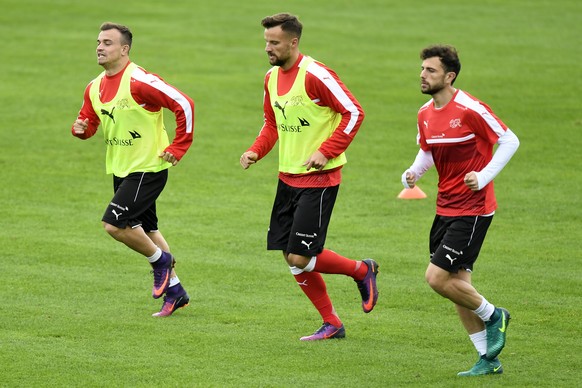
point(455, 242)
point(311, 221)
point(134, 201)
point(282, 214)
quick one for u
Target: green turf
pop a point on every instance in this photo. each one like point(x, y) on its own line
point(75, 307)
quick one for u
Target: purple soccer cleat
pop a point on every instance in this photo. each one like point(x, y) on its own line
point(326, 331)
point(367, 286)
point(161, 270)
point(172, 304)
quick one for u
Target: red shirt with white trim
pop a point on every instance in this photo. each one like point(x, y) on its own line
point(151, 98)
point(322, 86)
point(460, 136)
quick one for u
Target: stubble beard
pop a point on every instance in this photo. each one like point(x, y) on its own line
point(276, 61)
point(431, 90)
point(280, 61)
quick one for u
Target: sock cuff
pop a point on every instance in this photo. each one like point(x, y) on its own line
point(311, 265)
point(153, 258)
point(485, 310)
point(174, 281)
point(295, 270)
point(479, 335)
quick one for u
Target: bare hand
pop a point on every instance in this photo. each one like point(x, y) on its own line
point(168, 157)
point(248, 158)
point(317, 161)
point(471, 181)
point(80, 126)
point(410, 179)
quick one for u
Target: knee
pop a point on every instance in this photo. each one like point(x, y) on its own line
point(113, 231)
point(298, 261)
point(435, 281)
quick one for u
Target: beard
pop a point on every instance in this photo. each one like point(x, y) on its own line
point(431, 90)
point(279, 60)
point(276, 61)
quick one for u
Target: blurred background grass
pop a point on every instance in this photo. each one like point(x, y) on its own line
point(75, 306)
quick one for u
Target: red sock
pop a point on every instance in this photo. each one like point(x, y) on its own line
point(313, 286)
point(330, 262)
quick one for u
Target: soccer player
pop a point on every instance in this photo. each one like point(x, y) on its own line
point(314, 117)
point(457, 133)
point(127, 101)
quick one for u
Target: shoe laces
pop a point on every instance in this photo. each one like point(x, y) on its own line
point(363, 289)
point(324, 328)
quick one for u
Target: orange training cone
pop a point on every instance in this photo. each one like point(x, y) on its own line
point(414, 193)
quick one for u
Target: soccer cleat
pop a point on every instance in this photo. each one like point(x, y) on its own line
point(161, 270)
point(326, 331)
point(484, 367)
point(367, 286)
point(496, 328)
point(172, 304)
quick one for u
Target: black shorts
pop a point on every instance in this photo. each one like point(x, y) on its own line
point(455, 242)
point(134, 202)
point(300, 218)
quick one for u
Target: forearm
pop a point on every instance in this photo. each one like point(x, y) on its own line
point(265, 141)
point(88, 116)
point(421, 164)
point(336, 144)
point(508, 145)
point(184, 128)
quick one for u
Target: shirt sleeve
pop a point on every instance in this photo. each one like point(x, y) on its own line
point(421, 164)
point(87, 112)
point(508, 145)
point(485, 123)
point(268, 135)
point(153, 94)
point(326, 89)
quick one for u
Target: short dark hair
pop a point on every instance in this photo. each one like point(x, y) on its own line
point(289, 23)
point(448, 56)
point(126, 35)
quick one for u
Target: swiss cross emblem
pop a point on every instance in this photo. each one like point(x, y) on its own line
point(455, 123)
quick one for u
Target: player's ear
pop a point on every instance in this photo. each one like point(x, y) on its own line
point(295, 42)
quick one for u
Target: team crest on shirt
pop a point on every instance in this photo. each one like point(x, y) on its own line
point(123, 103)
point(296, 101)
point(455, 123)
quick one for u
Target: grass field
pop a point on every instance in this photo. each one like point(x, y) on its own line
point(75, 305)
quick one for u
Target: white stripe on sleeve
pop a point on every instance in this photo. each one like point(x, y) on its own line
point(334, 87)
point(169, 91)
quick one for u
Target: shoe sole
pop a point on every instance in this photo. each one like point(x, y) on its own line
point(339, 334)
point(180, 304)
point(468, 374)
